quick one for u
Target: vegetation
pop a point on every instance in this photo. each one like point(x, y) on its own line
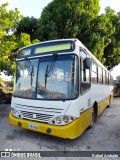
point(78, 18)
point(73, 18)
point(9, 41)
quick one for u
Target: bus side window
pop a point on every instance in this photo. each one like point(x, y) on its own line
point(103, 76)
point(111, 80)
point(94, 72)
point(99, 74)
point(84, 73)
point(85, 80)
point(106, 78)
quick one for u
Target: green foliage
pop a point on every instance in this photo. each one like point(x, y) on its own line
point(10, 40)
point(24, 40)
point(79, 18)
point(112, 50)
point(35, 41)
point(73, 18)
point(10, 84)
point(8, 23)
point(27, 25)
point(68, 19)
point(8, 20)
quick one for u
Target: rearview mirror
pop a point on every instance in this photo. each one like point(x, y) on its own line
point(87, 63)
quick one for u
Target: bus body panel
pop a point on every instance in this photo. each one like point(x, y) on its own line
point(75, 129)
point(100, 92)
point(70, 131)
point(56, 108)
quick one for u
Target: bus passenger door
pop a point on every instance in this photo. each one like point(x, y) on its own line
point(85, 80)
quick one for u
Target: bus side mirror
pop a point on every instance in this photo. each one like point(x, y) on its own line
point(87, 63)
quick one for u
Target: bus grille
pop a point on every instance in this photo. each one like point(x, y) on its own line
point(36, 116)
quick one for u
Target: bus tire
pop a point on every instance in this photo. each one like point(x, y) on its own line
point(108, 106)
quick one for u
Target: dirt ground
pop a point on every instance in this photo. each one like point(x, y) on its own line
point(103, 136)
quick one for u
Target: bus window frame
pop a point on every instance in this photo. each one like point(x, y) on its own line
point(95, 72)
point(82, 80)
point(100, 69)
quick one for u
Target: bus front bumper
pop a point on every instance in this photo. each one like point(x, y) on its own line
point(70, 131)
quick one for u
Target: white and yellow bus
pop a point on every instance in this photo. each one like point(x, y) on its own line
point(60, 88)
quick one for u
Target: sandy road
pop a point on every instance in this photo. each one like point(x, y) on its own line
point(104, 136)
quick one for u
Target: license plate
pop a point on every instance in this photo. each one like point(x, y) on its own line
point(33, 126)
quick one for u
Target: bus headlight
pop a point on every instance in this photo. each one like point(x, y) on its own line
point(15, 112)
point(66, 119)
point(62, 120)
point(58, 120)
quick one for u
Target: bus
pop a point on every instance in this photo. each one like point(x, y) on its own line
point(60, 88)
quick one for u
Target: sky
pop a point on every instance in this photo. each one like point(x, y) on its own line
point(35, 7)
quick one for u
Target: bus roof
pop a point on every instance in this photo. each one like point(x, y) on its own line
point(79, 43)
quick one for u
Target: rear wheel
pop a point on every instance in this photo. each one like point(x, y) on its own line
point(109, 102)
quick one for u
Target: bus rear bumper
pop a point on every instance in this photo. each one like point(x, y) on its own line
point(70, 131)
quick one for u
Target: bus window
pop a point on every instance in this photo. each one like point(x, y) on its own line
point(26, 74)
point(111, 80)
point(94, 72)
point(84, 75)
point(99, 74)
point(103, 76)
point(58, 79)
point(87, 75)
point(82, 71)
point(106, 78)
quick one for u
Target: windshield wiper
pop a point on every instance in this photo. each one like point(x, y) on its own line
point(30, 69)
point(49, 67)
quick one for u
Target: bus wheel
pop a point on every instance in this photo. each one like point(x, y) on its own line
point(108, 106)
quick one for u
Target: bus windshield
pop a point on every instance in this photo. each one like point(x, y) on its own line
point(52, 77)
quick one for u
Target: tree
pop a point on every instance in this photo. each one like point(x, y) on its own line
point(10, 40)
point(79, 18)
point(8, 20)
point(27, 25)
point(8, 23)
point(102, 29)
point(68, 19)
point(112, 49)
